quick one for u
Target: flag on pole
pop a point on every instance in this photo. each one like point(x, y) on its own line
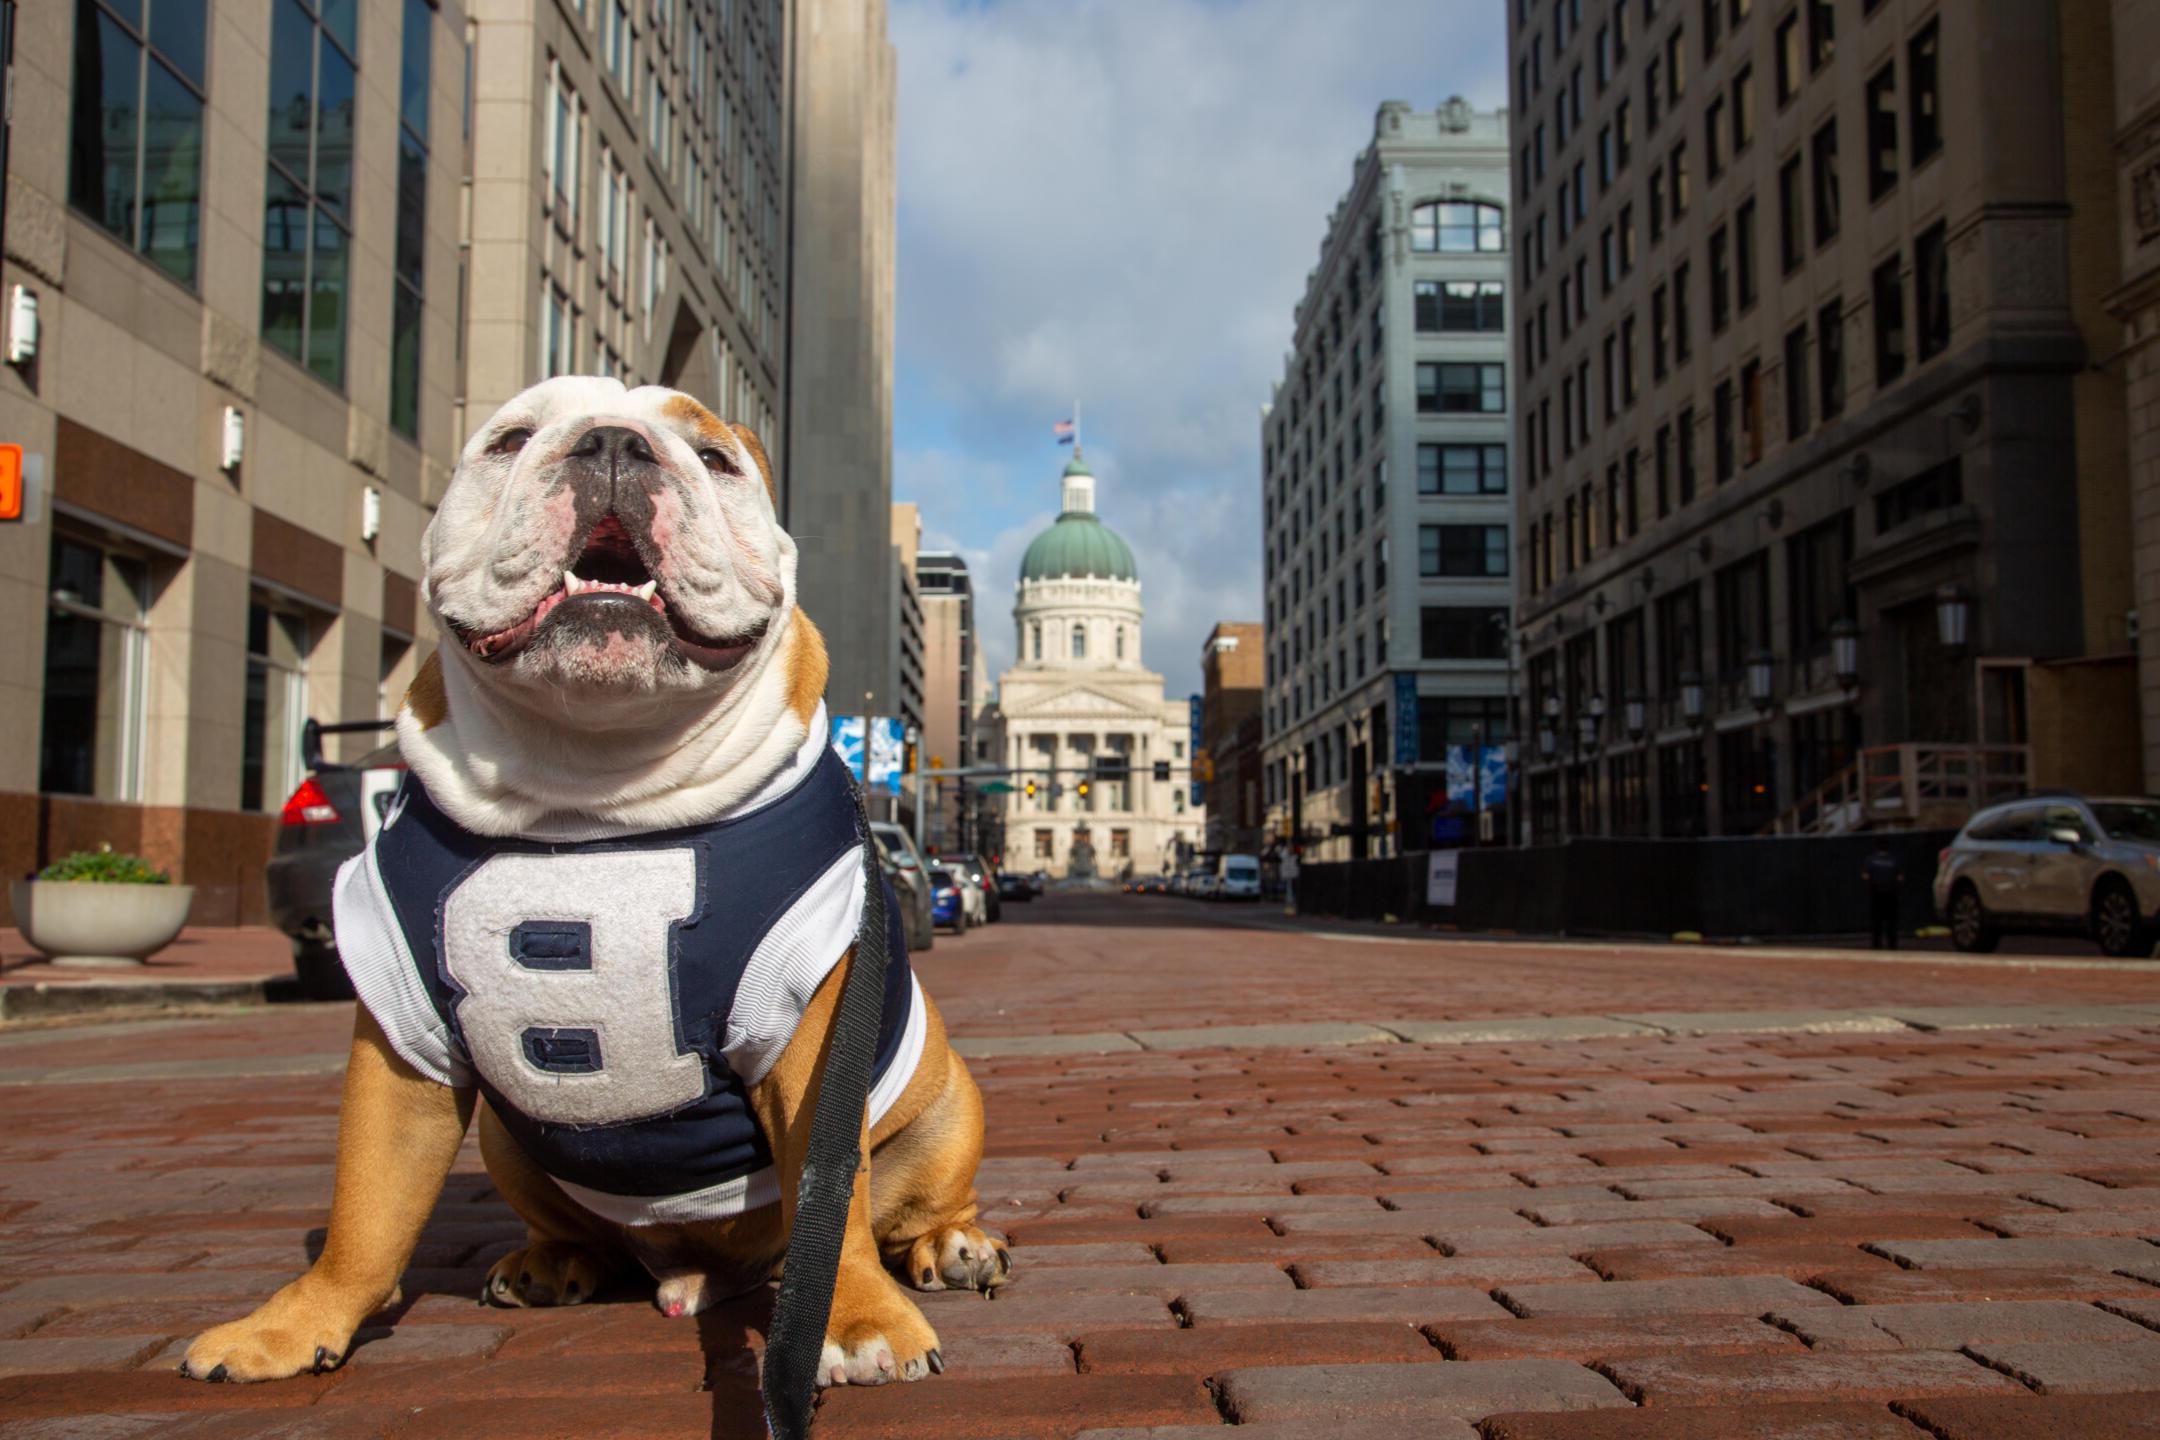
point(1064, 432)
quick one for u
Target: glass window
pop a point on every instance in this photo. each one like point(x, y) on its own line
point(1830, 357)
point(1821, 33)
point(307, 209)
point(1931, 290)
point(1920, 73)
point(1882, 115)
point(1889, 306)
point(1787, 48)
point(1442, 227)
point(95, 644)
point(135, 160)
point(1079, 642)
point(1458, 305)
point(1462, 550)
point(1445, 389)
point(1824, 155)
point(278, 642)
point(1463, 632)
point(1462, 469)
point(1792, 216)
point(1743, 108)
point(407, 292)
point(1720, 279)
point(1744, 270)
point(1796, 382)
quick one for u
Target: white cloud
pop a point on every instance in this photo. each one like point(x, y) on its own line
point(1119, 200)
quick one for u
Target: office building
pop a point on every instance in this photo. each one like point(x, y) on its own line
point(1385, 479)
point(1232, 672)
point(1821, 498)
point(2136, 303)
point(956, 687)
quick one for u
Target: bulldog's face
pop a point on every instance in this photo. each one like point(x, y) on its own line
point(599, 541)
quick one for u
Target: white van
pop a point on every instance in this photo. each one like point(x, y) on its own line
point(1239, 878)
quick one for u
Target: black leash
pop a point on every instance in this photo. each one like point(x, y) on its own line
point(796, 1342)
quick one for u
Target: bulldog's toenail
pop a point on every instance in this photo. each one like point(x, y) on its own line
point(937, 1362)
point(322, 1359)
point(524, 1277)
point(217, 1376)
point(1004, 1263)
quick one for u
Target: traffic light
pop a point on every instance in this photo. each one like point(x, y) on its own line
point(1081, 789)
point(1162, 770)
point(1030, 789)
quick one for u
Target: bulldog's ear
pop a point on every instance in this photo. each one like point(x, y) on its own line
point(757, 452)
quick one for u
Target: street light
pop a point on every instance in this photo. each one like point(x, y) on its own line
point(1845, 652)
point(1762, 678)
point(1691, 696)
point(1593, 717)
point(1637, 717)
point(1547, 742)
point(1953, 616)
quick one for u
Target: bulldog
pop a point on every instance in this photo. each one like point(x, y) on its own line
point(611, 910)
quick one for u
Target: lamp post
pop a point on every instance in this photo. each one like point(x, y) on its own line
point(913, 737)
point(1691, 696)
point(1762, 679)
point(1591, 722)
point(1637, 713)
point(1953, 616)
point(1845, 653)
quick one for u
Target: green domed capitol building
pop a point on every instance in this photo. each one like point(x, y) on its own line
point(1078, 698)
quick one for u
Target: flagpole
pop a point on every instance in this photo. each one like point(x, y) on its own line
point(1076, 427)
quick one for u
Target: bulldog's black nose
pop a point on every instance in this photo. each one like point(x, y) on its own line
point(615, 444)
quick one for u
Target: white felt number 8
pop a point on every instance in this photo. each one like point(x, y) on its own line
point(597, 986)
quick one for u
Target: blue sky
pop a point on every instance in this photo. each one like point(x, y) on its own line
point(1118, 200)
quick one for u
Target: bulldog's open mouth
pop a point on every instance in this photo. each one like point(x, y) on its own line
point(609, 587)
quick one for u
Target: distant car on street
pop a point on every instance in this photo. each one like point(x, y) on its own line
point(981, 876)
point(1039, 880)
point(2055, 863)
point(326, 821)
point(1204, 885)
point(1239, 878)
point(948, 899)
point(1014, 887)
point(911, 881)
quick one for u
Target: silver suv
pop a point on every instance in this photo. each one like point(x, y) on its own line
point(2055, 863)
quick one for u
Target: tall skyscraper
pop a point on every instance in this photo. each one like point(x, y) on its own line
point(1385, 483)
point(1813, 457)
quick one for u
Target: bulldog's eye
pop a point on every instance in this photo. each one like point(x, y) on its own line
point(510, 442)
point(719, 461)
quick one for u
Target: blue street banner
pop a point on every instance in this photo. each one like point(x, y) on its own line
point(1488, 764)
point(1406, 730)
point(888, 751)
point(847, 740)
point(1192, 750)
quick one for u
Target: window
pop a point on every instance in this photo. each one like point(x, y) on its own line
point(1931, 291)
point(1751, 409)
point(307, 205)
point(1444, 389)
point(1463, 632)
point(1683, 341)
point(1660, 332)
point(1462, 469)
point(1929, 491)
point(1743, 109)
point(1720, 279)
point(1462, 550)
point(1830, 357)
point(1815, 564)
point(558, 334)
point(1882, 158)
point(135, 162)
point(1796, 382)
point(1787, 48)
point(563, 160)
point(1824, 156)
point(408, 288)
point(1920, 73)
point(1042, 845)
point(1713, 26)
point(1821, 33)
point(1744, 270)
point(1656, 188)
point(1664, 471)
point(1714, 138)
point(1792, 216)
point(1722, 429)
point(95, 647)
point(1079, 641)
point(1678, 166)
point(616, 42)
point(1035, 639)
point(275, 705)
point(1743, 612)
point(1889, 307)
point(1458, 305)
point(1456, 228)
point(1445, 721)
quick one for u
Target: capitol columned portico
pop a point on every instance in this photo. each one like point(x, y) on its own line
point(1078, 701)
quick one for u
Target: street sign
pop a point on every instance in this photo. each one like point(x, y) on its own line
point(996, 787)
point(11, 482)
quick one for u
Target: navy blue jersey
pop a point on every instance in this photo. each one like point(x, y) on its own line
point(614, 998)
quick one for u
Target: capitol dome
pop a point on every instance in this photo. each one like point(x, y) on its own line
point(1078, 546)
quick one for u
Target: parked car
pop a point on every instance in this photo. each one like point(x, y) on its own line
point(2060, 863)
point(1014, 887)
point(1204, 885)
point(899, 848)
point(329, 819)
point(948, 900)
point(1239, 878)
point(1039, 880)
point(983, 877)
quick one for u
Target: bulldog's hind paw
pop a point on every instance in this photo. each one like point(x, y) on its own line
point(551, 1272)
point(957, 1257)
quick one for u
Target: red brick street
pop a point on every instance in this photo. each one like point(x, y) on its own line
point(1304, 1179)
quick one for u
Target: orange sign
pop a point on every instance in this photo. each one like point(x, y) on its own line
point(11, 487)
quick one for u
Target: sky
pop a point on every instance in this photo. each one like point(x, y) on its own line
point(1118, 201)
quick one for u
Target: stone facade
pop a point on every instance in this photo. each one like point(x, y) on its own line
point(956, 686)
point(1385, 479)
point(1808, 325)
point(1233, 668)
point(2136, 154)
point(1077, 695)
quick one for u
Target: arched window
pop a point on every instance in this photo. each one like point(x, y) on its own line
point(1120, 642)
point(1036, 637)
point(1456, 228)
point(1079, 645)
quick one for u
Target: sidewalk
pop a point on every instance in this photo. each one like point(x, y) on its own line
point(1495, 1231)
point(207, 965)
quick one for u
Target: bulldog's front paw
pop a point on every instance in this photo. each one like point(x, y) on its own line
point(957, 1257)
point(292, 1334)
point(548, 1273)
point(886, 1339)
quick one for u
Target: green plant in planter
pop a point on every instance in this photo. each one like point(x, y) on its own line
point(104, 866)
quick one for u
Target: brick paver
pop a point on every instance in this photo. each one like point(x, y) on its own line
point(1506, 1228)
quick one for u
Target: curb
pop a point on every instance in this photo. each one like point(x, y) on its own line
point(44, 1001)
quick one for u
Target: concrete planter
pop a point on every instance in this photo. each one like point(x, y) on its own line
point(85, 923)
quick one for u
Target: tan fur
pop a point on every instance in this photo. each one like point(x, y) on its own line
point(397, 1134)
point(757, 452)
point(425, 697)
point(685, 410)
point(807, 667)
